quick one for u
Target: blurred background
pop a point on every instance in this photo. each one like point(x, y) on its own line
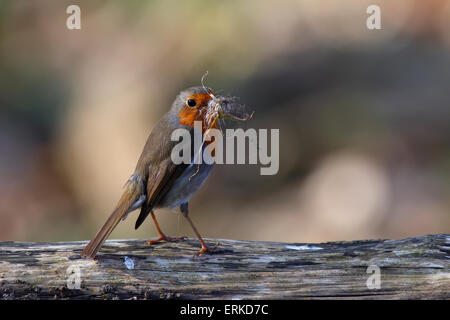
point(364, 115)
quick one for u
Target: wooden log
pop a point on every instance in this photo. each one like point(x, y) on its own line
point(413, 268)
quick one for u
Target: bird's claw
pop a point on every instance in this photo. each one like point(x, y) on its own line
point(206, 249)
point(165, 239)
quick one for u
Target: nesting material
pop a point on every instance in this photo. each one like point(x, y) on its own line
point(220, 108)
point(223, 108)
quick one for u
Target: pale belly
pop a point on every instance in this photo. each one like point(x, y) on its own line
point(186, 185)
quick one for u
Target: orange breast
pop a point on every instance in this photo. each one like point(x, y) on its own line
point(188, 115)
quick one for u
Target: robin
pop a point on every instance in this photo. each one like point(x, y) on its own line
point(159, 183)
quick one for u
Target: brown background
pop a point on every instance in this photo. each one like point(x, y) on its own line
point(363, 115)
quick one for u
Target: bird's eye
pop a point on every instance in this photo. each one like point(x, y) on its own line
point(191, 103)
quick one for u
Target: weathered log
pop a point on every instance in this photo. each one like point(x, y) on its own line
point(414, 268)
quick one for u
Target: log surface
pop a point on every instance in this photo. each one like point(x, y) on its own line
point(413, 268)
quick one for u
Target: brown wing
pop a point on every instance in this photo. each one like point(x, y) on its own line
point(156, 167)
point(160, 180)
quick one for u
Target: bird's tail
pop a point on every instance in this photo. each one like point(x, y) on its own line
point(134, 189)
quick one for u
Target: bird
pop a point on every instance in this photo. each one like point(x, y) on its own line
point(157, 182)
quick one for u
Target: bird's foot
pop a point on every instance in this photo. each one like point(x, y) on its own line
point(206, 249)
point(164, 238)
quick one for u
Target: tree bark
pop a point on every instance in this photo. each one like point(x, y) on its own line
point(413, 268)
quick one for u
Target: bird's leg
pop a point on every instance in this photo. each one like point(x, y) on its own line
point(162, 236)
point(185, 211)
